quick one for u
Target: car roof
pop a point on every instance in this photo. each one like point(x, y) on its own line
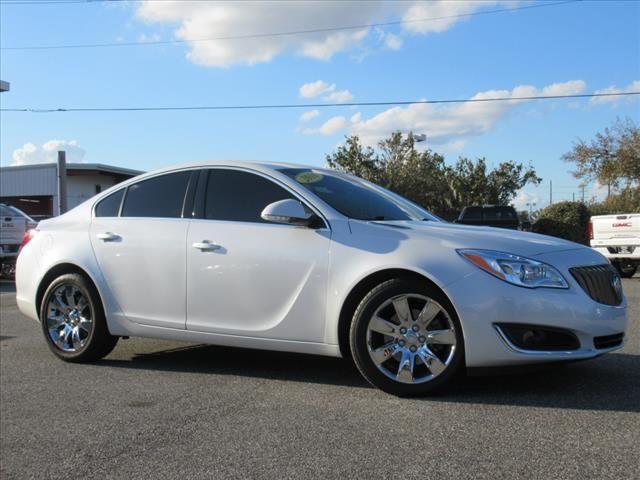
point(257, 165)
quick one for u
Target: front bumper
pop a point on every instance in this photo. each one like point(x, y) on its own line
point(483, 301)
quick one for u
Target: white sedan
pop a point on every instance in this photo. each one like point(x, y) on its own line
point(300, 259)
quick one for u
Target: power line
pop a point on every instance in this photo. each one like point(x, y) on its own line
point(48, 2)
point(312, 105)
point(278, 34)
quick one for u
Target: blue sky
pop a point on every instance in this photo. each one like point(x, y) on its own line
point(578, 47)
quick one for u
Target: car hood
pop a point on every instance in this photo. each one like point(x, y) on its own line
point(456, 236)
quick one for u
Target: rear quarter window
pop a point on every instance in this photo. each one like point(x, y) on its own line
point(110, 206)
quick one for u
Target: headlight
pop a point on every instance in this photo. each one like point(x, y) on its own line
point(514, 269)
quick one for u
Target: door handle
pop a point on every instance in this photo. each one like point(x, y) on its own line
point(108, 237)
point(206, 246)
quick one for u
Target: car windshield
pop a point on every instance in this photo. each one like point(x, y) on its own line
point(355, 198)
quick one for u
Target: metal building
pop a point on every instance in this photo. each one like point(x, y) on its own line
point(34, 188)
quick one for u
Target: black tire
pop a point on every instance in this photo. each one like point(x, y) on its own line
point(99, 342)
point(358, 338)
point(626, 271)
point(8, 268)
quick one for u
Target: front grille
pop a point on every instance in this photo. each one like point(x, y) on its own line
point(599, 283)
point(608, 341)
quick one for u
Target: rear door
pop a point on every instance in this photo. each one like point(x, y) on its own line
point(138, 235)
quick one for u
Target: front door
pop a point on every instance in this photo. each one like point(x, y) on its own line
point(249, 277)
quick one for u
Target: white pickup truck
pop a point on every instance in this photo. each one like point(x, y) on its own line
point(617, 237)
point(14, 224)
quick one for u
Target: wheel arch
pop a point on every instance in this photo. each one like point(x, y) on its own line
point(364, 286)
point(58, 270)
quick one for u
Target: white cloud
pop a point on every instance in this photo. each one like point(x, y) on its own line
point(325, 49)
point(392, 41)
point(523, 198)
point(356, 117)
point(341, 96)
point(438, 9)
point(30, 154)
point(315, 89)
point(451, 147)
point(198, 21)
point(311, 114)
point(328, 91)
point(330, 127)
point(632, 87)
point(572, 87)
point(449, 123)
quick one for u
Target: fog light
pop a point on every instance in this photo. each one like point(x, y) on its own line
point(538, 338)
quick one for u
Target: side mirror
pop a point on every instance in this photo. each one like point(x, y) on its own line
point(289, 211)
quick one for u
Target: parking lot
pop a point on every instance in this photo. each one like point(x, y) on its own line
point(156, 409)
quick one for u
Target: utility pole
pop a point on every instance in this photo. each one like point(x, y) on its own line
point(583, 193)
point(62, 182)
point(550, 192)
point(573, 196)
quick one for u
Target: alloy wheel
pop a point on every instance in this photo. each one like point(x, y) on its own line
point(411, 339)
point(69, 318)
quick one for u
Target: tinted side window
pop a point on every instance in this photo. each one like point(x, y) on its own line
point(239, 196)
point(157, 197)
point(500, 213)
point(472, 213)
point(110, 206)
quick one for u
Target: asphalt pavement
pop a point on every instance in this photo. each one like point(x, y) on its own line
point(156, 409)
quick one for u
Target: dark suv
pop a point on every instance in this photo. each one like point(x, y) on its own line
point(490, 215)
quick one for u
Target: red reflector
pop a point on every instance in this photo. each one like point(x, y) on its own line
point(590, 230)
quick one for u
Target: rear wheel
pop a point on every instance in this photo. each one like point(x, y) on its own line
point(406, 338)
point(73, 321)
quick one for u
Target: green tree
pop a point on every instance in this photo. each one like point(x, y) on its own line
point(397, 165)
point(565, 220)
point(627, 201)
point(424, 178)
point(471, 184)
point(612, 158)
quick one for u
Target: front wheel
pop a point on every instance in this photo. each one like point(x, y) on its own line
point(73, 321)
point(406, 338)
